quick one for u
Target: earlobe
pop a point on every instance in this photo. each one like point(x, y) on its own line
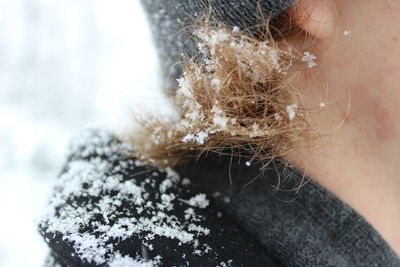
point(316, 17)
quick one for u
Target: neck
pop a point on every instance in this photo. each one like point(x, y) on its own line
point(362, 170)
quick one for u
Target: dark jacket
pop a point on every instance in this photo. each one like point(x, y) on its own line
point(109, 209)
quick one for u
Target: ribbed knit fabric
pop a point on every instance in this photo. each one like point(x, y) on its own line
point(169, 17)
point(305, 226)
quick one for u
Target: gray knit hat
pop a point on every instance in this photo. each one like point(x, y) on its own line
point(168, 17)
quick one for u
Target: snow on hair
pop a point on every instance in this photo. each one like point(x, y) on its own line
point(237, 96)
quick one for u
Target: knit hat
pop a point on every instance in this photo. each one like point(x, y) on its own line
point(169, 17)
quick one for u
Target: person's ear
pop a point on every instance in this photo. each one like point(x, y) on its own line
point(316, 17)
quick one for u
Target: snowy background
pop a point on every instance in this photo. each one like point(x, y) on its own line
point(64, 65)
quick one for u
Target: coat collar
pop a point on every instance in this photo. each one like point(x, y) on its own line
point(301, 224)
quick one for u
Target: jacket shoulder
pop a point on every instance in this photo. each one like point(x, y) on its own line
point(109, 209)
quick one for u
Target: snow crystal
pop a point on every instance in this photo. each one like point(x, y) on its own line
point(199, 200)
point(216, 83)
point(201, 137)
point(256, 131)
point(185, 181)
point(248, 163)
point(199, 229)
point(185, 87)
point(227, 200)
point(226, 264)
point(194, 113)
point(173, 175)
point(309, 59)
point(189, 213)
point(213, 38)
point(346, 32)
point(166, 184)
point(149, 246)
point(291, 111)
point(95, 176)
point(278, 117)
point(189, 137)
point(220, 120)
point(125, 261)
point(198, 138)
point(216, 194)
point(322, 104)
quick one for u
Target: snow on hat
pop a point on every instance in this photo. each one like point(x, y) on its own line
point(169, 17)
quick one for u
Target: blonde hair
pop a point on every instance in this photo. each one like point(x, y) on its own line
point(238, 96)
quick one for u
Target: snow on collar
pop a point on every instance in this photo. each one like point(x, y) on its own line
point(90, 205)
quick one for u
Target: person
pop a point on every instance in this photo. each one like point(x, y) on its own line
point(284, 154)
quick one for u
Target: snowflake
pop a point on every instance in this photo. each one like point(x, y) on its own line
point(347, 32)
point(309, 59)
point(278, 117)
point(291, 111)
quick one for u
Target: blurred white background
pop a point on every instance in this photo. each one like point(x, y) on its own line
point(64, 65)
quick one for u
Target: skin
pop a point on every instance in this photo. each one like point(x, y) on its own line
point(358, 77)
